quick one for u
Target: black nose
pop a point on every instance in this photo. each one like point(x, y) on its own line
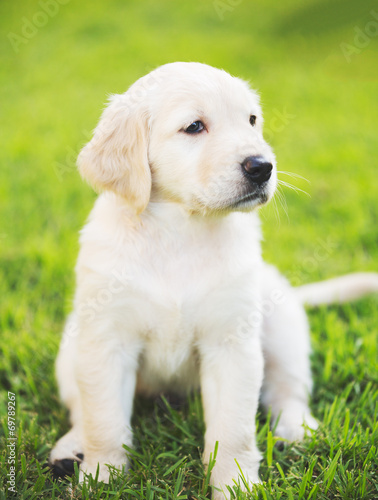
point(257, 169)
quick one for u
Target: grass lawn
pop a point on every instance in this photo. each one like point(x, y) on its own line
point(316, 70)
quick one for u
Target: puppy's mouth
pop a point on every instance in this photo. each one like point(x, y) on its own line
point(249, 200)
point(244, 199)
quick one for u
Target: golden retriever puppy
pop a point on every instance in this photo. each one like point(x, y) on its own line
point(172, 292)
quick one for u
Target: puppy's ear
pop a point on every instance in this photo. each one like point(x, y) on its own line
point(116, 158)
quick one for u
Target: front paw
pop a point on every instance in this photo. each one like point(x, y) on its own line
point(221, 491)
point(87, 469)
point(65, 453)
point(66, 466)
point(292, 425)
point(227, 473)
point(102, 468)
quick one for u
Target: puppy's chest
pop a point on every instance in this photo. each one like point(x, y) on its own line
point(174, 284)
point(171, 287)
point(182, 283)
point(179, 268)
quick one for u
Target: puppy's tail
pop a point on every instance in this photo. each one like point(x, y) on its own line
point(342, 289)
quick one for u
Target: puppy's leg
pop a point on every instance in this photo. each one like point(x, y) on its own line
point(106, 374)
point(231, 376)
point(69, 448)
point(286, 346)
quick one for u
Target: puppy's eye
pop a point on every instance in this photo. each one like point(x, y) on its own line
point(195, 127)
point(252, 120)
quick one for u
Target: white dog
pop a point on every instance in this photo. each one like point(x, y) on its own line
point(172, 292)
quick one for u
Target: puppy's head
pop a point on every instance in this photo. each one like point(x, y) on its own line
point(186, 133)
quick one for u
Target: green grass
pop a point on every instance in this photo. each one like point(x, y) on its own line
point(52, 94)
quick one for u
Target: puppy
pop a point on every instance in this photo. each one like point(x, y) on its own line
point(172, 292)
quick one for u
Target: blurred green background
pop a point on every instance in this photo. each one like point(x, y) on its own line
point(314, 64)
point(319, 110)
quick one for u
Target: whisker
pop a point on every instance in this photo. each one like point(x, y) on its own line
point(277, 211)
point(294, 188)
point(282, 200)
point(292, 174)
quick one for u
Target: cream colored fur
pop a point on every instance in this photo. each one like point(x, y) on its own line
point(172, 292)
